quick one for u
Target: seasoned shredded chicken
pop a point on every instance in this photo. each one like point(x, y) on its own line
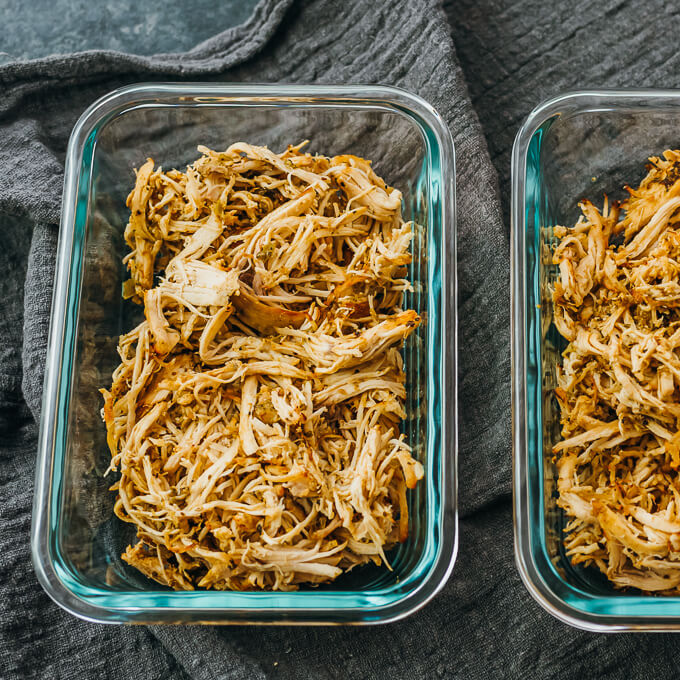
point(255, 415)
point(617, 302)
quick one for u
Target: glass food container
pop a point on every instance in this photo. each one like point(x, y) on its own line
point(76, 539)
point(579, 145)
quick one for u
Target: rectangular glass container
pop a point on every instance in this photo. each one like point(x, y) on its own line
point(76, 539)
point(579, 145)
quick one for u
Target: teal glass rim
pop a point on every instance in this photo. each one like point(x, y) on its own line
point(567, 599)
point(436, 560)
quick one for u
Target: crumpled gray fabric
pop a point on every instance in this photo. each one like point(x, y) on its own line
point(484, 624)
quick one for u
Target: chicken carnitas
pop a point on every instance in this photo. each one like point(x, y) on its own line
point(255, 416)
point(617, 303)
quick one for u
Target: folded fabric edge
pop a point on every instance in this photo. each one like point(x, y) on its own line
point(217, 53)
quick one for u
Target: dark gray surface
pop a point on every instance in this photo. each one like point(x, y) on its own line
point(484, 624)
point(43, 27)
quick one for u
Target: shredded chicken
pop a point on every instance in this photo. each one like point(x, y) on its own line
point(255, 415)
point(617, 302)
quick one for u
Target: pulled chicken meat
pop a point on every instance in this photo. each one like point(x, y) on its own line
point(617, 302)
point(255, 415)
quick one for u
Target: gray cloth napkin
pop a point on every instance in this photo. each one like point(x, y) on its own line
point(484, 624)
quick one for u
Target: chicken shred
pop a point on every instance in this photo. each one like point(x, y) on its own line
point(617, 303)
point(255, 415)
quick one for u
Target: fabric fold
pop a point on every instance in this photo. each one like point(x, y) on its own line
point(213, 55)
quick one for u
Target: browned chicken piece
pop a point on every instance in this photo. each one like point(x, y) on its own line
point(146, 559)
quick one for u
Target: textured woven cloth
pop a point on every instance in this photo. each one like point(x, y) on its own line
point(484, 624)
